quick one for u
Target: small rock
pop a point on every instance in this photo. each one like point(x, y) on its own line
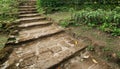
point(12, 36)
point(17, 64)
point(86, 56)
point(81, 60)
point(20, 60)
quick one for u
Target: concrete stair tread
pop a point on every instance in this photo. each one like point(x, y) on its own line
point(36, 32)
point(35, 23)
point(44, 53)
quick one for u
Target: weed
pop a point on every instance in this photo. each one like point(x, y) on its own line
point(118, 54)
point(90, 48)
point(8, 13)
point(107, 49)
point(64, 23)
point(3, 40)
point(108, 21)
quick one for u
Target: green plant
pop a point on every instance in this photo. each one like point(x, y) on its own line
point(108, 21)
point(51, 5)
point(117, 9)
point(64, 23)
point(107, 49)
point(3, 40)
point(38, 6)
point(118, 54)
point(8, 7)
point(90, 48)
point(8, 13)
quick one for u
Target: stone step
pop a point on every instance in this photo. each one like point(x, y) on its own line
point(27, 3)
point(29, 15)
point(30, 3)
point(28, 0)
point(23, 25)
point(37, 32)
point(27, 12)
point(33, 19)
point(43, 53)
point(27, 9)
point(31, 0)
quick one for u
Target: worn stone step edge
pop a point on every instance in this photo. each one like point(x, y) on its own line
point(40, 36)
point(12, 42)
point(30, 19)
point(34, 24)
point(27, 12)
point(26, 7)
point(28, 15)
point(63, 58)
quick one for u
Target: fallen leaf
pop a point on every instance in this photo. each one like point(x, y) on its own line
point(76, 42)
point(94, 61)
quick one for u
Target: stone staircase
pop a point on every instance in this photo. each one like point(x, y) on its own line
point(40, 43)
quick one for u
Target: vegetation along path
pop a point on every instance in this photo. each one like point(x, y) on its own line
point(41, 44)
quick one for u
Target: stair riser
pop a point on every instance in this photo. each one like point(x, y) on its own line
point(28, 4)
point(27, 11)
point(21, 10)
point(26, 7)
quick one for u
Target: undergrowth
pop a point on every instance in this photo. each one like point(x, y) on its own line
point(102, 14)
point(8, 14)
point(108, 21)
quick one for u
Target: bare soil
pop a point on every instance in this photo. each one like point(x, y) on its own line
point(105, 47)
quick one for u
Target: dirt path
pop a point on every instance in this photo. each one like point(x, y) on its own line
point(41, 44)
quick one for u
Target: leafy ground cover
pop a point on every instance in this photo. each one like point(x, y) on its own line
point(50, 6)
point(8, 14)
point(108, 21)
point(8, 11)
point(3, 40)
point(104, 14)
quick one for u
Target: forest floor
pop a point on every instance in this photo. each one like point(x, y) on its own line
point(103, 44)
point(41, 44)
point(74, 47)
